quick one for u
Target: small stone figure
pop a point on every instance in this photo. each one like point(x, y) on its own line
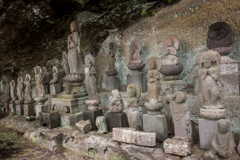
point(112, 70)
point(153, 85)
point(135, 61)
point(65, 63)
point(117, 103)
point(28, 90)
point(134, 109)
point(45, 75)
point(74, 57)
point(171, 66)
point(101, 124)
point(12, 91)
point(7, 90)
point(180, 116)
point(223, 145)
point(55, 76)
point(20, 91)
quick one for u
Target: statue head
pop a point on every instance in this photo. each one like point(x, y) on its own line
point(27, 78)
point(223, 126)
point(89, 61)
point(153, 64)
point(170, 43)
point(172, 51)
point(73, 26)
point(131, 92)
point(180, 97)
point(135, 46)
point(207, 61)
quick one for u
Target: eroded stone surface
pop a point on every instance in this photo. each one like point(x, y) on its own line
point(177, 147)
point(84, 126)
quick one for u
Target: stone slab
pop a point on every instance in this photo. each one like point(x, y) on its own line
point(84, 126)
point(206, 130)
point(19, 110)
point(28, 110)
point(12, 108)
point(230, 84)
point(116, 120)
point(55, 88)
point(156, 124)
point(139, 80)
point(6, 106)
point(177, 147)
point(111, 83)
point(170, 87)
point(130, 135)
point(69, 119)
point(92, 116)
point(40, 108)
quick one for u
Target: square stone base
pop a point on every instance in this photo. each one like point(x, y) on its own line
point(55, 88)
point(40, 108)
point(170, 87)
point(116, 120)
point(49, 118)
point(92, 116)
point(19, 109)
point(206, 130)
point(12, 108)
point(6, 106)
point(157, 124)
point(230, 84)
point(177, 147)
point(139, 80)
point(111, 83)
point(68, 119)
point(28, 110)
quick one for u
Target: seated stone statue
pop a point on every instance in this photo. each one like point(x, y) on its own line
point(223, 145)
point(55, 76)
point(117, 102)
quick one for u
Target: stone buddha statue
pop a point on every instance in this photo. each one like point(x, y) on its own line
point(112, 70)
point(55, 76)
point(117, 103)
point(12, 91)
point(20, 91)
point(28, 90)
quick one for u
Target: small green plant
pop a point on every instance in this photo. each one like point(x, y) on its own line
point(153, 13)
point(144, 12)
point(169, 1)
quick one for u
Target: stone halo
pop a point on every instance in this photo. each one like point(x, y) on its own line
point(175, 40)
point(137, 89)
point(157, 61)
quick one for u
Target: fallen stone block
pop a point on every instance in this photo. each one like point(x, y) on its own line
point(177, 147)
point(84, 126)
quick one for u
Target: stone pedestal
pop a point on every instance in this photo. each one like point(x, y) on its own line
point(177, 147)
point(116, 120)
point(19, 109)
point(171, 87)
point(6, 106)
point(12, 108)
point(55, 88)
point(46, 88)
point(207, 128)
point(230, 84)
point(40, 108)
point(92, 116)
point(28, 110)
point(138, 79)
point(49, 101)
point(111, 83)
point(49, 118)
point(156, 123)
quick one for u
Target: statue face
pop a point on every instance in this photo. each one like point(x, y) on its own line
point(178, 98)
point(153, 64)
point(207, 64)
point(170, 43)
point(131, 94)
point(222, 128)
point(172, 50)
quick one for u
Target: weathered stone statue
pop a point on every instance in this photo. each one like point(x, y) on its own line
point(135, 61)
point(180, 144)
point(117, 103)
point(153, 85)
point(74, 57)
point(55, 76)
point(134, 109)
point(65, 63)
point(20, 91)
point(45, 75)
point(28, 90)
point(39, 84)
point(171, 66)
point(12, 91)
point(7, 90)
point(112, 70)
point(101, 124)
point(223, 145)
point(209, 71)
point(90, 81)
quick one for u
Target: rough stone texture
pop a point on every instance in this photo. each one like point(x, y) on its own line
point(67, 119)
point(28, 110)
point(129, 135)
point(19, 110)
point(55, 88)
point(177, 147)
point(157, 124)
point(207, 128)
point(84, 126)
point(230, 82)
point(170, 87)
